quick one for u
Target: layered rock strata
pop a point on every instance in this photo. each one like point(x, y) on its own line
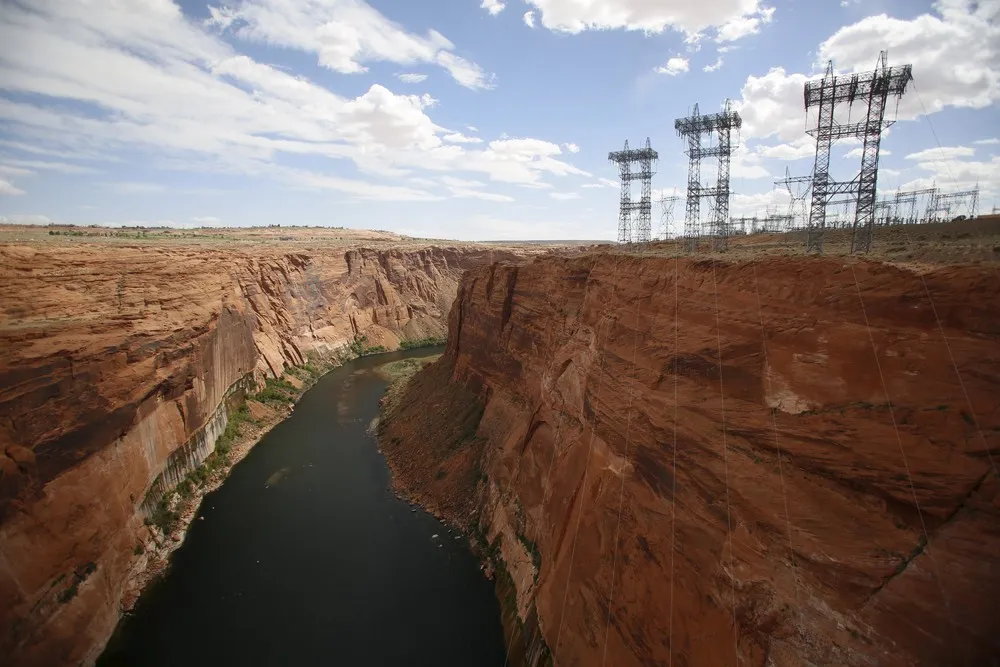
point(118, 369)
point(705, 462)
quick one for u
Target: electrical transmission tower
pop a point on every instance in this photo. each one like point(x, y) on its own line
point(908, 199)
point(666, 214)
point(692, 128)
point(644, 158)
point(797, 196)
point(941, 204)
point(874, 87)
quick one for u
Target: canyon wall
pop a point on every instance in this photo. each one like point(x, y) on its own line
point(701, 462)
point(116, 368)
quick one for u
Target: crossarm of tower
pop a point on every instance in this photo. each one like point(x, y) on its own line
point(708, 124)
point(852, 87)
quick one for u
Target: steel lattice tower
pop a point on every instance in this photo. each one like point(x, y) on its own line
point(666, 214)
point(796, 196)
point(692, 128)
point(875, 87)
point(645, 159)
point(940, 205)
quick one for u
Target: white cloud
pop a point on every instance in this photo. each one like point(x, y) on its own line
point(7, 188)
point(760, 204)
point(954, 52)
point(742, 26)
point(714, 67)
point(747, 166)
point(472, 128)
point(952, 175)
point(574, 16)
point(47, 165)
point(343, 35)
point(856, 153)
point(411, 77)
point(467, 189)
point(941, 153)
point(62, 154)
point(467, 73)
point(572, 148)
point(804, 146)
point(987, 142)
point(602, 183)
point(207, 220)
point(564, 196)
point(772, 105)
point(184, 99)
point(529, 19)
point(14, 171)
point(674, 66)
point(494, 7)
point(459, 138)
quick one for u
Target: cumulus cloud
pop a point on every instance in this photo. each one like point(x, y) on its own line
point(343, 35)
point(572, 148)
point(459, 138)
point(411, 77)
point(954, 50)
point(856, 153)
point(954, 174)
point(183, 96)
point(987, 142)
point(804, 146)
point(674, 66)
point(724, 16)
point(529, 19)
point(494, 7)
point(742, 26)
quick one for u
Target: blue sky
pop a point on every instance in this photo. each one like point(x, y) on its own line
point(470, 119)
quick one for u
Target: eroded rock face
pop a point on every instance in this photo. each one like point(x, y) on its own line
point(727, 463)
point(114, 367)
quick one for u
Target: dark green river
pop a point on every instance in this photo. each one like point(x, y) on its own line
point(305, 557)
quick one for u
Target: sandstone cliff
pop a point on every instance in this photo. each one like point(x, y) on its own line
point(689, 462)
point(116, 367)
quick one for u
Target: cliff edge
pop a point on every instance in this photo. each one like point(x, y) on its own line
point(705, 462)
point(119, 366)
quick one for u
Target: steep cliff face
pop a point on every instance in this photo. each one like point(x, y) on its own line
point(116, 366)
point(707, 463)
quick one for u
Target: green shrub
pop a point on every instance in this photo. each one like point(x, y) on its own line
point(422, 342)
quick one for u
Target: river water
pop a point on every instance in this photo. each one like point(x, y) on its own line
point(305, 557)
